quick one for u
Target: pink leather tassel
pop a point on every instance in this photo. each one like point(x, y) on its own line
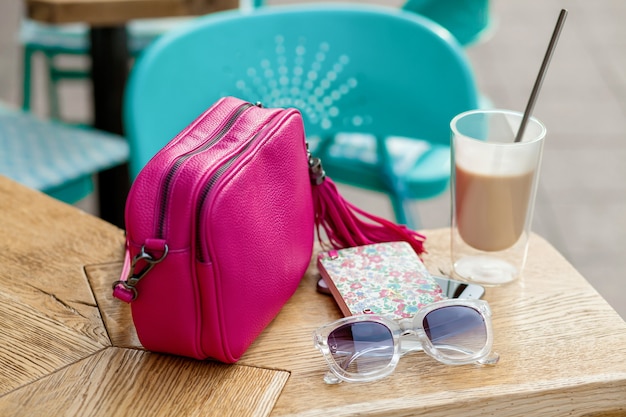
point(346, 225)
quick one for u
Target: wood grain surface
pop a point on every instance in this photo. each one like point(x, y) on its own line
point(56, 356)
point(48, 314)
point(560, 346)
point(126, 382)
point(68, 348)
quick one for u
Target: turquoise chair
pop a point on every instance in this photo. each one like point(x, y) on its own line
point(377, 88)
point(54, 158)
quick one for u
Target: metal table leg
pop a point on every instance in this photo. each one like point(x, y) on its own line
point(109, 71)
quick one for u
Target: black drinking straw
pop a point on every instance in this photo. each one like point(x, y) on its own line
point(541, 75)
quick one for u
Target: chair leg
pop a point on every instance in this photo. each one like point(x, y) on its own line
point(53, 86)
point(403, 212)
point(399, 204)
point(27, 78)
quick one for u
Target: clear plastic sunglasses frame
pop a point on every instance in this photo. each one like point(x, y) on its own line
point(408, 335)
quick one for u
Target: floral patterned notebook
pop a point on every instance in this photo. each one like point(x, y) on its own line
point(387, 279)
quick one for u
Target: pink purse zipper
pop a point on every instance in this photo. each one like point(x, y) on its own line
point(201, 252)
point(171, 173)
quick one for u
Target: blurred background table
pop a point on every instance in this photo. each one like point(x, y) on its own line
point(68, 348)
point(109, 65)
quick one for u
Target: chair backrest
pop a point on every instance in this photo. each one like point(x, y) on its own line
point(348, 68)
point(467, 20)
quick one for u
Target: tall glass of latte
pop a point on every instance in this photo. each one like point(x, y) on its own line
point(494, 183)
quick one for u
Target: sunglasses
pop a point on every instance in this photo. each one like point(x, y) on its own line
point(367, 347)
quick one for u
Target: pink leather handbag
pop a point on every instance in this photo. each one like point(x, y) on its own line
point(220, 230)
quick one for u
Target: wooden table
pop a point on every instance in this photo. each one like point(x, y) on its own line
point(109, 65)
point(68, 348)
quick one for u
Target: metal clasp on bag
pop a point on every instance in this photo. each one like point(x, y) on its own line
point(141, 264)
point(316, 170)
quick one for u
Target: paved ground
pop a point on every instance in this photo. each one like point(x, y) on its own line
point(581, 206)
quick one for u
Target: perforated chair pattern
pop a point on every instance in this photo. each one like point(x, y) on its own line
point(54, 158)
point(377, 88)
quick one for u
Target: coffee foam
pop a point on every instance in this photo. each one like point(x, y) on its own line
point(498, 155)
point(501, 159)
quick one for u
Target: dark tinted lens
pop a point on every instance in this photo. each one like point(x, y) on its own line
point(361, 347)
point(456, 331)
